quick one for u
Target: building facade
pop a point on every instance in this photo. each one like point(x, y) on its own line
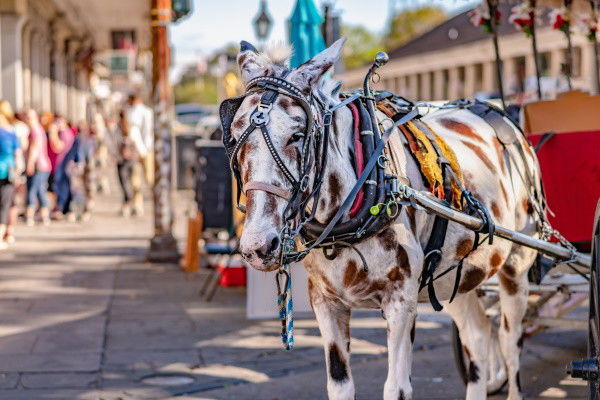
point(456, 60)
point(49, 49)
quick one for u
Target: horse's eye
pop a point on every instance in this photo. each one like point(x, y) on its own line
point(295, 138)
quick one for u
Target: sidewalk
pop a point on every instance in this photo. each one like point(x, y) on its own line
point(83, 316)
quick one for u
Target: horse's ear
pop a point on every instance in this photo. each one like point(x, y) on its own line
point(308, 75)
point(251, 63)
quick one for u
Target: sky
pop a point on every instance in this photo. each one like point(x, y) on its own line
point(215, 23)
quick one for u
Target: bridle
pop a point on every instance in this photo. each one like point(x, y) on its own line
point(313, 152)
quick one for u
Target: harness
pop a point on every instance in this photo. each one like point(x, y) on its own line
point(382, 193)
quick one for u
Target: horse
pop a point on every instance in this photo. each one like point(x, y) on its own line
point(396, 254)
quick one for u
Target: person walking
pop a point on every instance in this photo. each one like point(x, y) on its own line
point(21, 130)
point(87, 146)
point(127, 157)
point(37, 169)
point(61, 138)
point(141, 132)
point(11, 162)
point(101, 159)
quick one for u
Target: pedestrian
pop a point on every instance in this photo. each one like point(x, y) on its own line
point(11, 164)
point(87, 152)
point(37, 169)
point(61, 138)
point(21, 130)
point(101, 161)
point(127, 157)
point(141, 132)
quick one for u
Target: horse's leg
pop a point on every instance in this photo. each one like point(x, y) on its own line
point(474, 329)
point(400, 315)
point(514, 290)
point(334, 323)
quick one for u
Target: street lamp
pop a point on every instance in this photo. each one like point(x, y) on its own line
point(263, 23)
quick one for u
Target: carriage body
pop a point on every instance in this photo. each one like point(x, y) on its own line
point(566, 133)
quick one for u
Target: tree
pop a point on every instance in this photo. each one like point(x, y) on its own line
point(410, 23)
point(361, 46)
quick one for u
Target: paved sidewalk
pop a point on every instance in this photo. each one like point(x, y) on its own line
point(82, 317)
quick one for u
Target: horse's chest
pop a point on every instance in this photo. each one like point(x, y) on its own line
point(349, 281)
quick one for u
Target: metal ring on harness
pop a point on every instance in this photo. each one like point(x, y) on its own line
point(304, 183)
point(280, 272)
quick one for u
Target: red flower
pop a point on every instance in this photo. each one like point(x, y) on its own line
point(559, 22)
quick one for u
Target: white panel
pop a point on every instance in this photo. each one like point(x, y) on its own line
point(261, 300)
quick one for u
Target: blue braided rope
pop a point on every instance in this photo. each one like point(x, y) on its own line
point(285, 305)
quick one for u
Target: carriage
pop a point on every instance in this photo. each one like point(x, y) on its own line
point(566, 136)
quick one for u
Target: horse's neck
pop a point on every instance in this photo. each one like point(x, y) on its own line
point(340, 176)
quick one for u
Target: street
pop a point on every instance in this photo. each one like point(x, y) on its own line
point(84, 317)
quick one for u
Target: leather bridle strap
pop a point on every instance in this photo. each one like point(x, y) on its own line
point(266, 187)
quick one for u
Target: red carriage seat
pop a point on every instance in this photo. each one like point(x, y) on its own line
point(570, 160)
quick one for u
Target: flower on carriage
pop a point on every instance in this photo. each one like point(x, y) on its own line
point(523, 17)
point(481, 16)
point(560, 19)
point(588, 26)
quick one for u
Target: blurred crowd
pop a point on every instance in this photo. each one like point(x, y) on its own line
point(51, 168)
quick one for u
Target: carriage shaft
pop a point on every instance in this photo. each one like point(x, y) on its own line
point(434, 206)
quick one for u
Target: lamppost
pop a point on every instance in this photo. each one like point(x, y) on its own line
point(263, 23)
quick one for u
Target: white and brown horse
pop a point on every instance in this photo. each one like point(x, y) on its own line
point(395, 256)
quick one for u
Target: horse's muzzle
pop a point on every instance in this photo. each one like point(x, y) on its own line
point(262, 253)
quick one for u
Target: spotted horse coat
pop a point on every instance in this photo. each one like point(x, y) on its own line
point(395, 255)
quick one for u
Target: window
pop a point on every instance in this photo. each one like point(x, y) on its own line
point(123, 40)
point(545, 64)
point(576, 69)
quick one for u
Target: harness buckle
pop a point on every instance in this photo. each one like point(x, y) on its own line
point(262, 107)
point(327, 118)
point(261, 115)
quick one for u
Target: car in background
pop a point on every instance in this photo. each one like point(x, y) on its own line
point(197, 119)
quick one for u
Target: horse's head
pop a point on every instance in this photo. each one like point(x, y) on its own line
point(269, 139)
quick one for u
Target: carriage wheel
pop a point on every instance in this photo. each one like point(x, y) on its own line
point(496, 374)
point(594, 320)
point(589, 369)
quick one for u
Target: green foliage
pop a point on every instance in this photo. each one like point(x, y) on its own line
point(410, 23)
point(361, 46)
point(199, 90)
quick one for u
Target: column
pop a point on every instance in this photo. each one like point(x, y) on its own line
point(45, 76)
point(26, 57)
point(453, 83)
point(587, 66)
point(470, 80)
point(60, 80)
point(489, 77)
point(438, 85)
point(509, 72)
point(412, 86)
point(556, 60)
point(72, 79)
point(425, 87)
point(11, 26)
point(36, 66)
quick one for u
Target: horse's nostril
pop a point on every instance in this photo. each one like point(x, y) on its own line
point(272, 244)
